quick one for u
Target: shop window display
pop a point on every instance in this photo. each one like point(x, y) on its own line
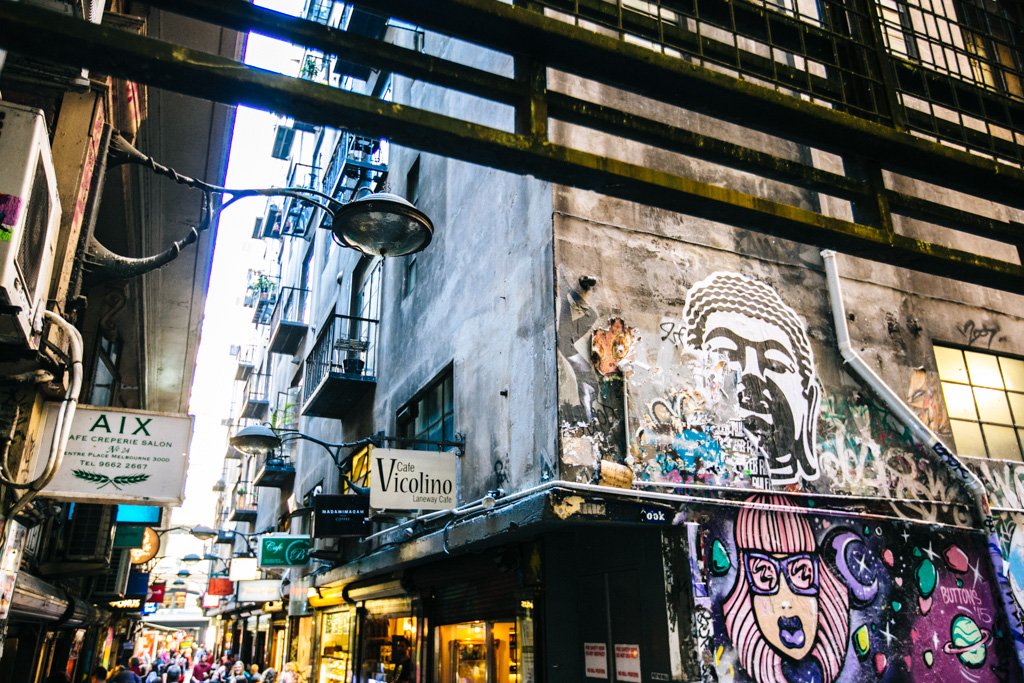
point(477, 652)
point(389, 650)
point(335, 646)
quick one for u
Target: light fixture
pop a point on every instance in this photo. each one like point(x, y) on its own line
point(191, 558)
point(382, 224)
point(184, 573)
point(256, 440)
point(377, 224)
point(204, 533)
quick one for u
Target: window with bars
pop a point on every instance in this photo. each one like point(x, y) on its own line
point(984, 397)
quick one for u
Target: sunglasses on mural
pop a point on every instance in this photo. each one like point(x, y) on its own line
point(801, 572)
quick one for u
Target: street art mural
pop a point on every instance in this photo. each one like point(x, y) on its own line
point(802, 597)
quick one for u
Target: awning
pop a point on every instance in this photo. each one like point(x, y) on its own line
point(37, 600)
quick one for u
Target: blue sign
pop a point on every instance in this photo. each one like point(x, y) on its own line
point(149, 607)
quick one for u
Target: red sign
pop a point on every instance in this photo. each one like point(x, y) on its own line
point(156, 592)
point(220, 586)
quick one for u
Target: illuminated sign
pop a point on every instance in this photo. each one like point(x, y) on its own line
point(127, 603)
point(150, 547)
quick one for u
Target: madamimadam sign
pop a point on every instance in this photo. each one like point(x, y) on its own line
point(119, 456)
point(412, 480)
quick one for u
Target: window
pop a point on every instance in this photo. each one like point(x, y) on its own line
point(478, 652)
point(105, 375)
point(412, 193)
point(984, 396)
point(431, 415)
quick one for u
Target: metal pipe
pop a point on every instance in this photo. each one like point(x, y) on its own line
point(932, 443)
point(62, 429)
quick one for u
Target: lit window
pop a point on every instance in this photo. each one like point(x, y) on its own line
point(984, 396)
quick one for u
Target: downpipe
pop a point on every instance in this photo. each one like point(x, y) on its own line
point(62, 428)
point(925, 437)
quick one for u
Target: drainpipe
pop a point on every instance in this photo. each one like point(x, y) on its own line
point(925, 437)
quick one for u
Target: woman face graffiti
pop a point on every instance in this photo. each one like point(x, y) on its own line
point(785, 599)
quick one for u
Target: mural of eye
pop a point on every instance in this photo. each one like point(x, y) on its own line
point(801, 573)
point(764, 576)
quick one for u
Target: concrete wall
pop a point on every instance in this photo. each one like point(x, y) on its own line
point(703, 358)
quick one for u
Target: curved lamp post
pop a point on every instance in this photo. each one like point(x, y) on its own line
point(260, 439)
point(377, 224)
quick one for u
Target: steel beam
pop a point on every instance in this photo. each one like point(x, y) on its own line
point(28, 29)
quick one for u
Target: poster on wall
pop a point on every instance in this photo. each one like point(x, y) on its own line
point(595, 660)
point(119, 456)
point(627, 662)
point(412, 480)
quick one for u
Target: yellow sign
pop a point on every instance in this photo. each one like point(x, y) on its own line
point(128, 603)
point(150, 547)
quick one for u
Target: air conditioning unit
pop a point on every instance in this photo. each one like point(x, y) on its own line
point(29, 223)
point(113, 583)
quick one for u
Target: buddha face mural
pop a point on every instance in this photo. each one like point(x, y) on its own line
point(787, 614)
point(764, 343)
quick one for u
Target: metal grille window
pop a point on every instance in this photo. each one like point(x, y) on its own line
point(430, 416)
point(984, 396)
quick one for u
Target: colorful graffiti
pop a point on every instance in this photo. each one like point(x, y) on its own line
point(802, 597)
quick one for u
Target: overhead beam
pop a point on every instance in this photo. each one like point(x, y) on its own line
point(65, 39)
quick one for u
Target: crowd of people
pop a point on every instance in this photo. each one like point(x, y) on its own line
point(179, 667)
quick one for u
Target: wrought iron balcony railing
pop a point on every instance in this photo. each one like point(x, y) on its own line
point(341, 366)
point(257, 400)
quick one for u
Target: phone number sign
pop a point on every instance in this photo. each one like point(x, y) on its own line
point(119, 456)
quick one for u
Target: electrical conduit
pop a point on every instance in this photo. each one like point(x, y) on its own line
point(932, 445)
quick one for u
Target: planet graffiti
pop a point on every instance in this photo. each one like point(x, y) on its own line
point(720, 562)
point(927, 578)
point(856, 565)
point(968, 642)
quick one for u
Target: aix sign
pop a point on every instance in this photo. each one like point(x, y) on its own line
point(284, 551)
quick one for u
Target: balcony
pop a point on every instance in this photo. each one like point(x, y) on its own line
point(244, 509)
point(342, 367)
point(225, 538)
point(261, 296)
point(257, 400)
point(297, 214)
point(288, 323)
point(275, 472)
point(246, 363)
point(356, 160)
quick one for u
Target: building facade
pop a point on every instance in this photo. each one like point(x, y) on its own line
point(686, 449)
point(67, 565)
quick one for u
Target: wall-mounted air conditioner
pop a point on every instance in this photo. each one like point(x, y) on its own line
point(29, 223)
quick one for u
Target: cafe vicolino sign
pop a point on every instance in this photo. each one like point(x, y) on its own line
point(412, 480)
point(119, 456)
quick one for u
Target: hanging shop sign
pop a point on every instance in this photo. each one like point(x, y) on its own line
point(138, 584)
point(220, 586)
point(156, 592)
point(284, 551)
point(210, 601)
point(149, 608)
point(149, 548)
point(412, 480)
point(340, 516)
point(260, 590)
point(129, 536)
point(119, 456)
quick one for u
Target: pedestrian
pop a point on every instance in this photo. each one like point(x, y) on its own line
point(99, 675)
point(239, 674)
point(202, 672)
point(254, 674)
point(289, 674)
point(270, 675)
point(173, 673)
